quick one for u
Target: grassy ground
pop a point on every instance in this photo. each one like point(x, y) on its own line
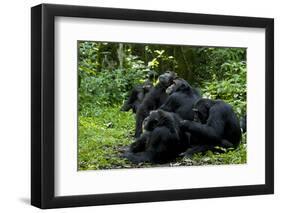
point(104, 134)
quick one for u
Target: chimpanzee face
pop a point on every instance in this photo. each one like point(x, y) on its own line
point(167, 78)
point(178, 85)
point(147, 88)
point(151, 121)
point(201, 111)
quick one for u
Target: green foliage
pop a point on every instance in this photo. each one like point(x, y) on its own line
point(231, 156)
point(160, 59)
point(108, 71)
point(210, 61)
point(103, 136)
point(232, 88)
point(106, 85)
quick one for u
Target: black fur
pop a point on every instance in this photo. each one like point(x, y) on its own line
point(153, 100)
point(139, 92)
point(136, 96)
point(215, 124)
point(181, 99)
point(161, 140)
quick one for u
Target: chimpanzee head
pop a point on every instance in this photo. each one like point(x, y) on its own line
point(201, 110)
point(155, 119)
point(167, 78)
point(152, 75)
point(147, 86)
point(178, 85)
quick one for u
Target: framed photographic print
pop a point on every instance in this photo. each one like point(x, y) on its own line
point(139, 106)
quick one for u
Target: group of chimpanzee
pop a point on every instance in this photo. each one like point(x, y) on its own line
point(172, 119)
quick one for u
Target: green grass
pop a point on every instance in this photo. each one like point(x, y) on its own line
point(105, 132)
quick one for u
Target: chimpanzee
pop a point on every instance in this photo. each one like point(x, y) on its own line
point(161, 140)
point(136, 97)
point(154, 99)
point(151, 75)
point(215, 124)
point(138, 93)
point(181, 99)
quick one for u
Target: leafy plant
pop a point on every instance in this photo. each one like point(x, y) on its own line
point(232, 88)
point(108, 71)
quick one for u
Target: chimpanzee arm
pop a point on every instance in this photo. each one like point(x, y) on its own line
point(133, 97)
point(171, 104)
point(140, 116)
point(213, 129)
point(139, 144)
point(201, 130)
point(139, 157)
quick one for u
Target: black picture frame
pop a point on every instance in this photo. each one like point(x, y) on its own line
point(43, 102)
